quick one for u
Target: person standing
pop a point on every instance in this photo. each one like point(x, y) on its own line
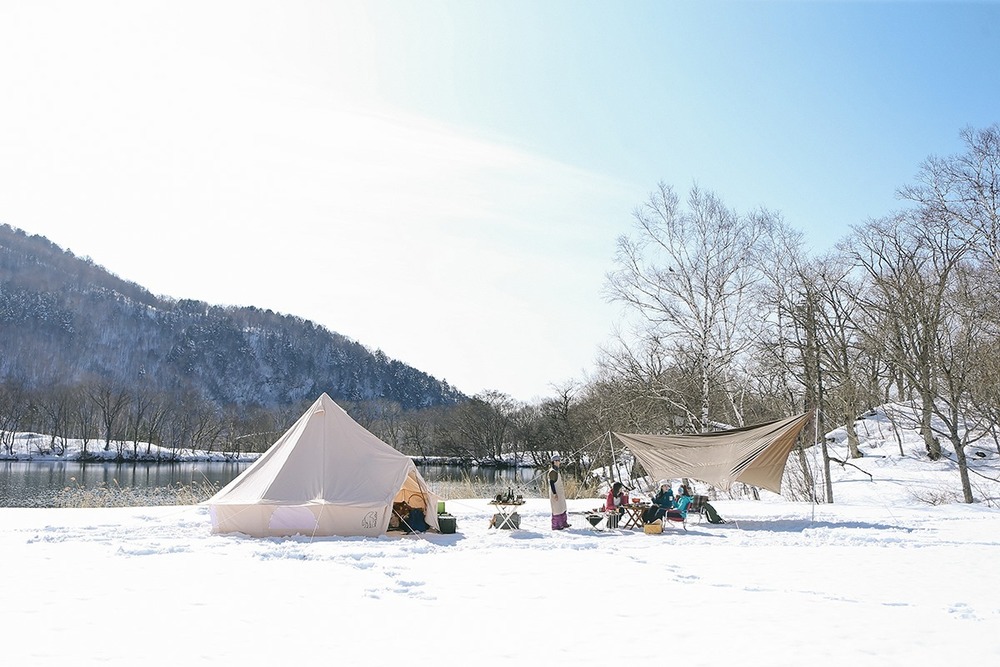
point(557, 495)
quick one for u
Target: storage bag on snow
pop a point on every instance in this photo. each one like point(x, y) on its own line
point(416, 523)
point(712, 515)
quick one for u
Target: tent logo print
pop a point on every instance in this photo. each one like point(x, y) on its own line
point(370, 520)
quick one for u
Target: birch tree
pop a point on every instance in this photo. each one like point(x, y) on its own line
point(688, 271)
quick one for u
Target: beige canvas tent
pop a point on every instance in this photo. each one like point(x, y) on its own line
point(754, 455)
point(327, 475)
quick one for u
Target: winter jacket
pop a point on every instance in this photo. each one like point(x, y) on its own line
point(664, 499)
point(681, 505)
point(557, 495)
point(614, 503)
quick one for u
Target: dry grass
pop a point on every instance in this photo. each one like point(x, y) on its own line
point(476, 488)
point(939, 496)
point(113, 495)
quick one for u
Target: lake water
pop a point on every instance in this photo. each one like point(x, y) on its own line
point(46, 483)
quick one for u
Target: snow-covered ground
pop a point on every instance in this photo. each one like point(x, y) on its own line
point(881, 577)
point(782, 584)
point(895, 470)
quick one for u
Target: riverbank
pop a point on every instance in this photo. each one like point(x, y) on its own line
point(25, 446)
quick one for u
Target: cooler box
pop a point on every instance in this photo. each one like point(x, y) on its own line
point(653, 528)
point(446, 523)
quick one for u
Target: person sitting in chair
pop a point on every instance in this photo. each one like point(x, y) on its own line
point(679, 511)
point(617, 497)
point(662, 501)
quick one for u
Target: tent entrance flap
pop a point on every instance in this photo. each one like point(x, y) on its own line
point(755, 455)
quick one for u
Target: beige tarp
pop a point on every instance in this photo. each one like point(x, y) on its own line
point(327, 475)
point(754, 455)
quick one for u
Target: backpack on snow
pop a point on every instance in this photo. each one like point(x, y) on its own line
point(712, 515)
point(416, 522)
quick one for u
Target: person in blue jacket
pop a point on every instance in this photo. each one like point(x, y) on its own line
point(679, 511)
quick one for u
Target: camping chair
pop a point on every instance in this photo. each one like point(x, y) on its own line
point(409, 516)
point(600, 516)
point(673, 516)
point(697, 506)
point(400, 516)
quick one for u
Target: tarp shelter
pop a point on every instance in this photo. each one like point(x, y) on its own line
point(327, 475)
point(754, 455)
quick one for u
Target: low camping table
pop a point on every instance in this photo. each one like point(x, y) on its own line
point(505, 508)
point(633, 515)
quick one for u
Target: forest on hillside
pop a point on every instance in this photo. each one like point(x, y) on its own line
point(739, 322)
point(69, 322)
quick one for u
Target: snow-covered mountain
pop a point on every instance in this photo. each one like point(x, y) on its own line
point(65, 321)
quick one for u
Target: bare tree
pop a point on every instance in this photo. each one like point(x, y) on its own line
point(986, 390)
point(155, 415)
point(13, 405)
point(841, 352)
point(964, 190)
point(644, 369)
point(207, 427)
point(689, 272)
point(417, 430)
point(111, 400)
point(963, 341)
point(85, 418)
point(910, 260)
point(136, 417)
point(484, 424)
point(558, 426)
point(56, 408)
point(388, 425)
point(810, 338)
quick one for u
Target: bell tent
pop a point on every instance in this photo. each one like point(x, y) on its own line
point(327, 475)
point(754, 455)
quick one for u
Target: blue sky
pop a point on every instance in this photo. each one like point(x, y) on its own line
point(446, 180)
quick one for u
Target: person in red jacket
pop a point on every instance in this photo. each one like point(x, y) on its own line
point(617, 497)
